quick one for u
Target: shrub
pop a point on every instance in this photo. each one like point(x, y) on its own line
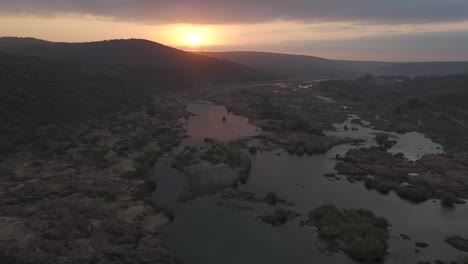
point(149, 184)
point(370, 183)
point(281, 215)
point(381, 138)
point(413, 194)
point(244, 175)
point(208, 140)
point(448, 200)
point(164, 209)
point(384, 187)
point(271, 198)
point(212, 158)
point(329, 232)
point(253, 150)
point(366, 248)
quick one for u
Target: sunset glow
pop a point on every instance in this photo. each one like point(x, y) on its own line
point(194, 39)
point(368, 33)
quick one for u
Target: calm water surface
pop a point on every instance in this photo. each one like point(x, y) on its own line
point(206, 231)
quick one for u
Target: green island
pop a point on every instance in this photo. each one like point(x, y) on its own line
point(211, 167)
point(358, 232)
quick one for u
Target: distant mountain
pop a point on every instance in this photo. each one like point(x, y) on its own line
point(133, 52)
point(280, 64)
point(297, 66)
point(17, 42)
point(424, 68)
point(300, 66)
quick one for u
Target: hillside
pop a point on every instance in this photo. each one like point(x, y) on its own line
point(300, 66)
point(280, 64)
point(45, 83)
point(130, 53)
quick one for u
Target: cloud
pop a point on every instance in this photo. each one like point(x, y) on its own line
point(248, 11)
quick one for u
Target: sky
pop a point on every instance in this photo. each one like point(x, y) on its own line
point(385, 30)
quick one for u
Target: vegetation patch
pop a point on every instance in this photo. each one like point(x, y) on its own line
point(300, 148)
point(363, 235)
point(271, 198)
point(279, 217)
point(371, 154)
point(211, 167)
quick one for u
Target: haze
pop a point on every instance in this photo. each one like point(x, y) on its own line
point(401, 30)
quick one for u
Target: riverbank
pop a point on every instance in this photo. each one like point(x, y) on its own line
point(82, 193)
point(296, 119)
point(233, 218)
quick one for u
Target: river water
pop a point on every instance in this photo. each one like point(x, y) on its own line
point(206, 231)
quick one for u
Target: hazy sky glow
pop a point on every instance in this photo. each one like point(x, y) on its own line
point(397, 30)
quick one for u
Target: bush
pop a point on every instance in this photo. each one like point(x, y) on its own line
point(271, 198)
point(244, 172)
point(448, 200)
point(208, 140)
point(211, 158)
point(413, 194)
point(149, 185)
point(381, 138)
point(281, 215)
point(384, 187)
point(366, 248)
point(244, 175)
point(370, 183)
point(329, 232)
point(164, 209)
point(253, 150)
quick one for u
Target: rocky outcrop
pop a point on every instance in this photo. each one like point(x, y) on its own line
point(458, 242)
point(440, 173)
point(76, 230)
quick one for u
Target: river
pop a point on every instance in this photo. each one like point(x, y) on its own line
point(207, 231)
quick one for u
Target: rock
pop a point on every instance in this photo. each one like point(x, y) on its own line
point(421, 244)
point(458, 243)
point(151, 250)
point(405, 237)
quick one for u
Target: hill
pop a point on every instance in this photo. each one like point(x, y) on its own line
point(300, 66)
point(424, 68)
point(130, 53)
point(45, 83)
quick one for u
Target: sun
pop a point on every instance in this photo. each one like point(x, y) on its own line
point(193, 38)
